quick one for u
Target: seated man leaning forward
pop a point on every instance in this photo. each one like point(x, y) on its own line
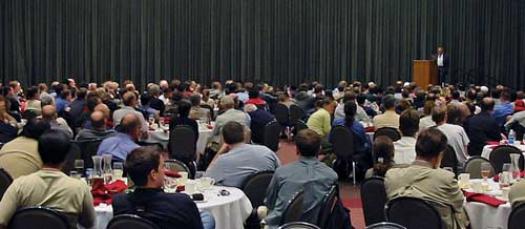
point(236, 160)
point(425, 180)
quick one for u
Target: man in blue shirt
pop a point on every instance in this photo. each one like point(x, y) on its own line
point(260, 118)
point(502, 110)
point(63, 101)
point(122, 143)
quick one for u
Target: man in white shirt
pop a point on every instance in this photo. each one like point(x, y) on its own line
point(405, 148)
point(456, 135)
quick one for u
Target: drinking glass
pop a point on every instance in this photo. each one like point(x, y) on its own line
point(504, 178)
point(118, 170)
point(485, 170)
point(79, 166)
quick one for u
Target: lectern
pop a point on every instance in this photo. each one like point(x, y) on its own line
point(424, 72)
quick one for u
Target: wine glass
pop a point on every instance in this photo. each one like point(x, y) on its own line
point(505, 177)
point(485, 170)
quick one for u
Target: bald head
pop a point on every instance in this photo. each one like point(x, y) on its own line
point(104, 109)
point(98, 120)
point(49, 112)
point(130, 124)
point(487, 104)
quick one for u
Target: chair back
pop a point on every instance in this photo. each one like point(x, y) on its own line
point(299, 225)
point(38, 217)
point(473, 167)
point(272, 133)
point(501, 155)
point(282, 114)
point(385, 225)
point(450, 159)
point(87, 150)
point(129, 221)
point(342, 142)
point(5, 181)
point(74, 153)
point(182, 143)
point(327, 206)
point(298, 126)
point(413, 213)
point(390, 132)
point(373, 198)
point(517, 217)
point(176, 166)
point(294, 210)
point(255, 187)
point(296, 114)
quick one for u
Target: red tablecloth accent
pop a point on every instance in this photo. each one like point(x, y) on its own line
point(483, 198)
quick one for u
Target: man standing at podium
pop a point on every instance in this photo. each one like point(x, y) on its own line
point(443, 62)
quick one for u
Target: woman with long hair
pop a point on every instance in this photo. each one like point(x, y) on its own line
point(383, 156)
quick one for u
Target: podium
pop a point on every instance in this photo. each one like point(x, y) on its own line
point(424, 72)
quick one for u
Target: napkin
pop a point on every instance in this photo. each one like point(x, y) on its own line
point(493, 143)
point(103, 193)
point(483, 198)
point(172, 174)
point(370, 129)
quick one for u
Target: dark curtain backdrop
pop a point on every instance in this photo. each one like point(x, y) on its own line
point(278, 41)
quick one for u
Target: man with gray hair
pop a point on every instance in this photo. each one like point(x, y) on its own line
point(155, 103)
point(49, 114)
point(227, 105)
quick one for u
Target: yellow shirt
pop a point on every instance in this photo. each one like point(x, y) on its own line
point(52, 189)
point(388, 119)
point(320, 122)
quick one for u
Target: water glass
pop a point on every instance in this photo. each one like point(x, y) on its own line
point(118, 170)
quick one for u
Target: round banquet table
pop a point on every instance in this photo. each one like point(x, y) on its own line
point(229, 212)
point(162, 136)
point(484, 216)
point(487, 149)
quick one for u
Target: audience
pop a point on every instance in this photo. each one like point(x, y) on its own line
point(33, 103)
point(20, 156)
point(145, 167)
point(307, 174)
point(383, 157)
point(482, 127)
point(457, 138)
point(182, 118)
point(236, 161)
point(8, 124)
point(197, 112)
point(424, 179)
point(50, 187)
point(503, 109)
point(123, 142)
point(405, 148)
point(390, 118)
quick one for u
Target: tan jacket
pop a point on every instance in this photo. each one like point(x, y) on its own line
point(388, 119)
point(420, 180)
point(20, 157)
point(517, 194)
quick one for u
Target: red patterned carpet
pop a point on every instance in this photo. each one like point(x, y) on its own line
point(349, 193)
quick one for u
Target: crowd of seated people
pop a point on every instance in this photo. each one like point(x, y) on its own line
point(427, 119)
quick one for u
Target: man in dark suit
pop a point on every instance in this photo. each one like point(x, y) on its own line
point(482, 127)
point(443, 63)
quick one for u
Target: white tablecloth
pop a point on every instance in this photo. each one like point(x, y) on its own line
point(487, 149)
point(163, 136)
point(229, 212)
point(483, 216)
